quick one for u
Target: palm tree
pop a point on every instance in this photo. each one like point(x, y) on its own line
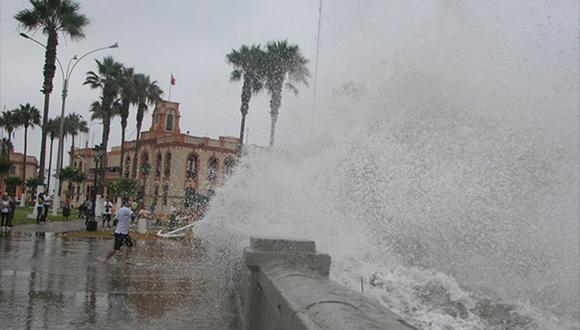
point(147, 93)
point(285, 65)
point(52, 17)
point(72, 175)
point(52, 128)
point(248, 63)
point(73, 125)
point(11, 183)
point(28, 116)
point(128, 96)
point(106, 79)
point(9, 121)
point(6, 148)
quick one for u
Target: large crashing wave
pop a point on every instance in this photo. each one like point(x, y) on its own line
point(458, 221)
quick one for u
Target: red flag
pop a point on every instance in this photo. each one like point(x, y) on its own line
point(172, 80)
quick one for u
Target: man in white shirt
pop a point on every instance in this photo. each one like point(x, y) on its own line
point(123, 217)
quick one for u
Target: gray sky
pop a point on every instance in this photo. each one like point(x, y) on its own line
point(496, 53)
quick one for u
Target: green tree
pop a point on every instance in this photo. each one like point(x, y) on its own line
point(9, 122)
point(122, 187)
point(147, 93)
point(51, 17)
point(6, 147)
point(128, 96)
point(11, 183)
point(285, 66)
point(248, 63)
point(31, 185)
point(29, 117)
point(107, 80)
point(73, 125)
point(72, 175)
point(5, 165)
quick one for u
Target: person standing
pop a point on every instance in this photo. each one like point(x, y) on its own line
point(88, 211)
point(5, 213)
point(107, 213)
point(40, 209)
point(13, 204)
point(123, 218)
point(47, 205)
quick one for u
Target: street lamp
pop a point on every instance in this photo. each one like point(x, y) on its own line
point(65, 78)
point(98, 154)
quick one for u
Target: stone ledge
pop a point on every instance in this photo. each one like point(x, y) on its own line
point(284, 245)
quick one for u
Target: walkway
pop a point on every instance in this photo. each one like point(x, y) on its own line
point(49, 281)
point(51, 227)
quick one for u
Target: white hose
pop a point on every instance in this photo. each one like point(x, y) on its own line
point(174, 233)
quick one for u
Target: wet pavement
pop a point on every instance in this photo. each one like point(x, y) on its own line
point(49, 281)
point(51, 227)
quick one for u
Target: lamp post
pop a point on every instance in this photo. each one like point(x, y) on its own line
point(98, 159)
point(66, 74)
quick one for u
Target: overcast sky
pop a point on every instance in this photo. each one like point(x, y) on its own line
point(529, 48)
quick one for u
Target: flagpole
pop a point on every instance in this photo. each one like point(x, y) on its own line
point(169, 99)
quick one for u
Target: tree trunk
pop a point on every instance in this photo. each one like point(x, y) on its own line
point(104, 145)
point(246, 96)
point(122, 150)
point(273, 129)
point(24, 159)
point(49, 70)
point(49, 164)
point(275, 103)
point(123, 129)
point(140, 113)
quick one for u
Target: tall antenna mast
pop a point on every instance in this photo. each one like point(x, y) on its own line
point(316, 58)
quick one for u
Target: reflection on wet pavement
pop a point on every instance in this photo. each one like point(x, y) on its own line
point(47, 281)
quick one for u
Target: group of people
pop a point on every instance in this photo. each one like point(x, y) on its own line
point(7, 207)
point(43, 203)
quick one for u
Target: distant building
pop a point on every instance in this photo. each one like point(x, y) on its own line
point(17, 169)
point(172, 168)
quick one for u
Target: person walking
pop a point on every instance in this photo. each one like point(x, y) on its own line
point(123, 218)
point(5, 213)
point(107, 213)
point(40, 209)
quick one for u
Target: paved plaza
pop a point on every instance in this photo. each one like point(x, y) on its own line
point(50, 281)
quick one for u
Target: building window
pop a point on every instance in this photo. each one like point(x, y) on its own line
point(145, 167)
point(165, 193)
point(212, 169)
point(167, 164)
point(158, 165)
point(155, 197)
point(228, 166)
point(189, 197)
point(127, 167)
point(169, 122)
point(191, 167)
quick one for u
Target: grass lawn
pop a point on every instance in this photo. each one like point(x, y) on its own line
point(21, 216)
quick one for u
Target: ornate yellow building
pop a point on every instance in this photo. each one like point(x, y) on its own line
point(17, 170)
point(172, 168)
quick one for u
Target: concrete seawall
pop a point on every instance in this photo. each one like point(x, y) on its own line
point(287, 287)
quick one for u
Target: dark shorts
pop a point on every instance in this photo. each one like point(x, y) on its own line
point(122, 239)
